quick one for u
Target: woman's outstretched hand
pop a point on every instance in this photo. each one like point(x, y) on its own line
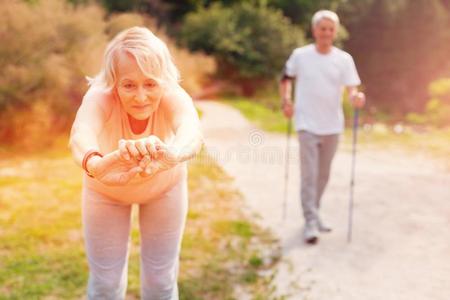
point(113, 170)
point(146, 157)
point(152, 154)
point(137, 149)
point(162, 159)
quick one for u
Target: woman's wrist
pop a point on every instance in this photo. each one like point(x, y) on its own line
point(90, 159)
point(90, 166)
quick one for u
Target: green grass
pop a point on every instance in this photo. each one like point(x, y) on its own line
point(260, 115)
point(432, 142)
point(41, 244)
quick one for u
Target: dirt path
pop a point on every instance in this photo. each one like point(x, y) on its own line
point(401, 237)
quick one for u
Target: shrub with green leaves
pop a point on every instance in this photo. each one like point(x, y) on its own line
point(248, 42)
point(437, 109)
point(440, 89)
point(46, 49)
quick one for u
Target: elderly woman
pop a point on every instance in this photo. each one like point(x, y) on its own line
point(132, 135)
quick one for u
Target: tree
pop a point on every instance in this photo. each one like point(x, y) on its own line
point(399, 47)
point(249, 43)
point(301, 11)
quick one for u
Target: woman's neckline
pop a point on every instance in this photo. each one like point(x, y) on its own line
point(141, 127)
point(129, 129)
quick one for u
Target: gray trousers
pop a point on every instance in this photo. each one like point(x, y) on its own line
point(316, 155)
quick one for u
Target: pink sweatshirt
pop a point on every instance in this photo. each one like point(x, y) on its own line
point(139, 189)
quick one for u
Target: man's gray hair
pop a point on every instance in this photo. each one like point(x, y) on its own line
point(325, 14)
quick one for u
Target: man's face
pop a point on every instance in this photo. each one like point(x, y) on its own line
point(324, 32)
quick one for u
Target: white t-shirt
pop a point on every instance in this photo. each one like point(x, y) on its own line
point(319, 82)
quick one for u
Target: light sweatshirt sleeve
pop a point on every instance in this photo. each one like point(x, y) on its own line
point(88, 124)
point(185, 123)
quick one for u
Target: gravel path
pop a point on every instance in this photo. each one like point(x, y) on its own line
point(401, 237)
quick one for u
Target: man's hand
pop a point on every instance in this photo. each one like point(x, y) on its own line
point(358, 99)
point(288, 108)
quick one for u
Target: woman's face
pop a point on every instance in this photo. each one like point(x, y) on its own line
point(139, 95)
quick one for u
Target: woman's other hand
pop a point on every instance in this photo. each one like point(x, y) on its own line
point(113, 169)
point(164, 158)
point(138, 149)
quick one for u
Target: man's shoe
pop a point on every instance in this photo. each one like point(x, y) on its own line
point(311, 232)
point(323, 227)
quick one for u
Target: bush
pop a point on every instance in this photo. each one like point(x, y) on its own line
point(248, 42)
point(437, 109)
point(47, 48)
point(440, 89)
point(437, 112)
point(417, 119)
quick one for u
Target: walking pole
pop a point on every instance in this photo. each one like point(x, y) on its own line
point(286, 165)
point(352, 180)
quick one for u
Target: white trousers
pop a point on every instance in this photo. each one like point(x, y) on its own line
point(106, 225)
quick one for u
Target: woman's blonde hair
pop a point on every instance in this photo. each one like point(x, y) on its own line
point(150, 52)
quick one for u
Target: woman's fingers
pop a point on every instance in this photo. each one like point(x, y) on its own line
point(144, 161)
point(123, 150)
point(132, 150)
point(149, 170)
point(151, 147)
point(127, 176)
point(141, 147)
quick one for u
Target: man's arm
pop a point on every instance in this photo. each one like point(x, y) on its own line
point(285, 90)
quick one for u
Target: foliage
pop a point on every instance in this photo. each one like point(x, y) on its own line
point(120, 5)
point(43, 67)
point(301, 11)
point(248, 42)
point(268, 119)
point(429, 141)
point(399, 47)
point(437, 109)
point(440, 89)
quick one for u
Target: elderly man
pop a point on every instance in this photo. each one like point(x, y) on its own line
point(320, 72)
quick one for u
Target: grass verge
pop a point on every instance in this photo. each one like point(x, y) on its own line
point(41, 244)
point(260, 115)
point(429, 142)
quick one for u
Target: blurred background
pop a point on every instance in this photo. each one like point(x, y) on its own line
point(231, 48)
point(230, 51)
